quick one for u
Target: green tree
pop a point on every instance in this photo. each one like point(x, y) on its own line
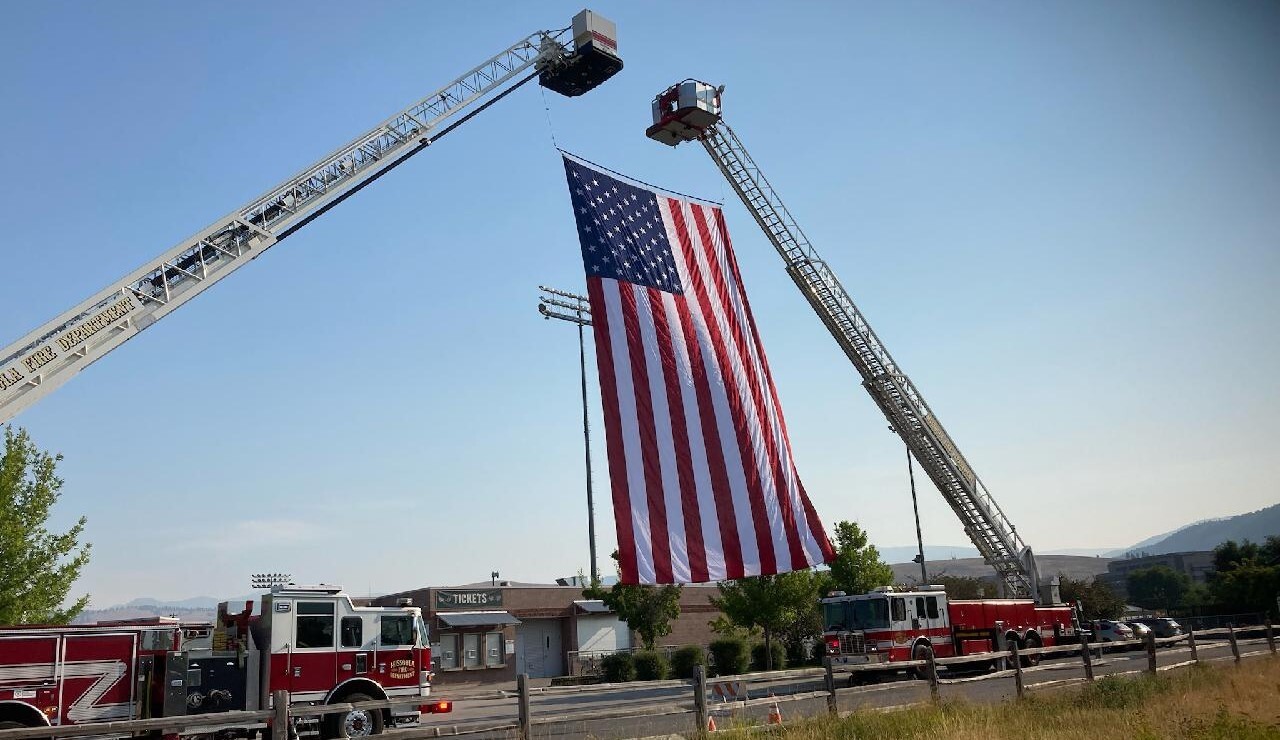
point(37, 567)
point(964, 587)
point(1158, 587)
point(782, 605)
point(1251, 587)
point(647, 610)
point(1231, 555)
point(1099, 601)
point(857, 568)
point(1248, 575)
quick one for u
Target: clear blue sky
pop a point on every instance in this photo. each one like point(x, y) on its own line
point(1062, 218)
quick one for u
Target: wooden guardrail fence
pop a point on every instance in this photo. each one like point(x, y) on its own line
point(281, 718)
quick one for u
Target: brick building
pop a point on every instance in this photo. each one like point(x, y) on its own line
point(1197, 564)
point(489, 632)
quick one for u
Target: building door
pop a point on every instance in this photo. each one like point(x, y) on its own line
point(538, 648)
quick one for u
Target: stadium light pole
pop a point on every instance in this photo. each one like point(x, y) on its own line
point(915, 509)
point(571, 307)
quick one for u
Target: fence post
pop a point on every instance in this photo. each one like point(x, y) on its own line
point(700, 699)
point(1151, 652)
point(280, 722)
point(1086, 655)
point(1017, 668)
point(1235, 646)
point(1191, 642)
point(932, 667)
point(1271, 638)
point(832, 707)
point(526, 722)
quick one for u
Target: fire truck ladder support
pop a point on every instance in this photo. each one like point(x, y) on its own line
point(985, 524)
point(44, 359)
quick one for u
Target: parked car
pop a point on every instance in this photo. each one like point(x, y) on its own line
point(1105, 630)
point(1162, 626)
point(1140, 630)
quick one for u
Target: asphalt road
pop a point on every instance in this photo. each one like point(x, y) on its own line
point(663, 708)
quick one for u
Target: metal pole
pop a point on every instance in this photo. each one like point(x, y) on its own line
point(1191, 642)
point(1235, 646)
point(1151, 653)
point(1086, 655)
point(586, 439)
point(924, 578)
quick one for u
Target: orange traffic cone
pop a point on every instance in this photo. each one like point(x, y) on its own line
point(775, 714)
point(711, 723)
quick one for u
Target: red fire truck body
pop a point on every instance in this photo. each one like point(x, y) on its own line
point(310, 641)
point(887, 626)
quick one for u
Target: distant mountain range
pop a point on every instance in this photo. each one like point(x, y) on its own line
point(1209, 533)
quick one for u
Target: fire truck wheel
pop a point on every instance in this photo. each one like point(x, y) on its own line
point(921, 652)
point(357, 723)
point(11, 725)
point(1032, 641)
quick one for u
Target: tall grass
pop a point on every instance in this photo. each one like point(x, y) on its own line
point(1214, 703)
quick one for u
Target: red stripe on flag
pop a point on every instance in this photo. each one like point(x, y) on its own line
point(721, 491)
point(613, 432)
point(741, 335)
point(811, 515)
point(650, 457)
point(741, 416)
point(680, 434)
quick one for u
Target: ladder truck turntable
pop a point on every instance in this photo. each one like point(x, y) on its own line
point(570, 61)
point(691, 111)
point(310, 641)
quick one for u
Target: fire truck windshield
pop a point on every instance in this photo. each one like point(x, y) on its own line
point(857, 614)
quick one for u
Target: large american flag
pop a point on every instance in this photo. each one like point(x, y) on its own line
point(704, 486)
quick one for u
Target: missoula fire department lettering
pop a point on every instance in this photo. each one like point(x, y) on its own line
point(39, 358)
point(403, 668)
point(100, 321)
point(10, 377)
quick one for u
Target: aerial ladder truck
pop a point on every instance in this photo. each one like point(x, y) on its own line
point(691, 111)
point(570, 61)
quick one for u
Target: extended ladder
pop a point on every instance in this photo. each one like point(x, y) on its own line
point(694, 113)
point(50, 355)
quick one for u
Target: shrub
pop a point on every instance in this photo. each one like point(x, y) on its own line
point(618, 668)
point(729, 656)
point(651, 666)
point(684, 659)
point(779, 656)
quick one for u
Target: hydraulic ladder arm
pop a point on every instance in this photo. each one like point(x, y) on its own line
point(690, 111)
point(50, 355)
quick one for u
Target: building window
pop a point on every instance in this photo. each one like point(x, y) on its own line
point(447, 653)
point(493, 649)
point(352, 632)
point(315, 624)
point(478, 650)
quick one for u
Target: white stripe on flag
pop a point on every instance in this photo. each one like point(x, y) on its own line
point(707, 513)
point(630, 432)
point(728, 441)
point(768, 432)
point(661, 410)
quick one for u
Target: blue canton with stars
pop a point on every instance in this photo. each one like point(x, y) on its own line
point(621, 230)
